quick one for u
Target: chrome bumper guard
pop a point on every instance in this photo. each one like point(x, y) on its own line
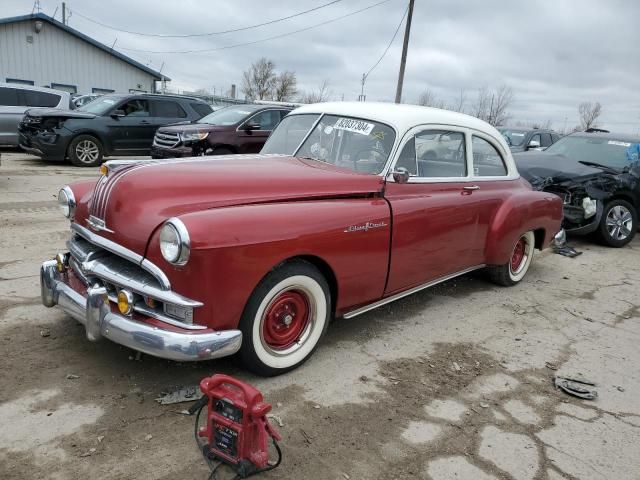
point(99, 321)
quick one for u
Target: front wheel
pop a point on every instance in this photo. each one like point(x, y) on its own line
point(285, 318)
point(85, 151)
point(618, 224)
point(513, 271)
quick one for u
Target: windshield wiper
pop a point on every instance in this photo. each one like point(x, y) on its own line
point(599, 165)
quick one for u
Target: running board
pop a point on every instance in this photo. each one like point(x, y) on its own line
point(398, 296)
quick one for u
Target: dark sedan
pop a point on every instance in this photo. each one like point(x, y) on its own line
point(597, 175)
point(110, 125)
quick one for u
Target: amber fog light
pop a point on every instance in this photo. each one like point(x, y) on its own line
point(61, 262)
point(125, 302)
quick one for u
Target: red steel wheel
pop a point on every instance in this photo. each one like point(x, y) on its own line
point(285, 319)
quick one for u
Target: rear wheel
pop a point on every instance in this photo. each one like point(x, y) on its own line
point(618, 224)
point(85, 151)
point(285, 318)
point(521, 256)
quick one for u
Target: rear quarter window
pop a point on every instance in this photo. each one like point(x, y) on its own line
point(9, 97)
point(201, 109)
point(168, 109)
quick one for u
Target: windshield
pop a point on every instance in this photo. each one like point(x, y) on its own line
point(227, 115)
point(358, 144)
point(513, 136)
point(605, 151)
point(100, 105)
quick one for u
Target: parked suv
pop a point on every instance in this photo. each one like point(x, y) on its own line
point(16, 99)
point(521, 139)
point(236, 129)
point(110, 125)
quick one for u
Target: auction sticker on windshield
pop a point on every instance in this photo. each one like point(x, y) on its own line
point(355, 126)
point(620, 144)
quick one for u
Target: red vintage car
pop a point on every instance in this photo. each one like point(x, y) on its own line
point(348, 207)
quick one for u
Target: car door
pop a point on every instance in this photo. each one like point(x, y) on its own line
point(11, 112)
point(251, 140)
point(129, 126)
point(164, 112)
point(435, 213)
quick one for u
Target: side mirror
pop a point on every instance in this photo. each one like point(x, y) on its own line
point(118, 113)
point(533, 144)
point(400, 175)
point(251, 126)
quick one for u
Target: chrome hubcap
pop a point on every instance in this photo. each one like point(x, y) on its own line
point(87, 151)
point(619, 222)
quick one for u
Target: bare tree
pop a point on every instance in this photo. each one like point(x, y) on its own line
point(460, 103)
point(492, 106)
point(285, 87)
point(429, 99)
point(258, 82)
point(319, 95)
point(589, 113)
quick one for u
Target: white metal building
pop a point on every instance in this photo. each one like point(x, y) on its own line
point(38, 50)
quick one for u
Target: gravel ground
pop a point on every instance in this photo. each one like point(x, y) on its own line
point(451, 383)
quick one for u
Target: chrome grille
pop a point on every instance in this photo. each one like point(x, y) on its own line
point(166, 139)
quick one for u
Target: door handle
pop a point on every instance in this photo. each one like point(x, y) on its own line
point(144, 122)
point(471, 187)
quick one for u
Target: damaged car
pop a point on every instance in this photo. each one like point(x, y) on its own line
point(597, 175)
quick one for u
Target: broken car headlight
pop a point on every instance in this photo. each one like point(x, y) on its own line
point(67, 202)
point(194, 137)
point(590, 207)
point(175, 244)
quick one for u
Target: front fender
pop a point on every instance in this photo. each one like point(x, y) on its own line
point(520, 213)
point(233, 248)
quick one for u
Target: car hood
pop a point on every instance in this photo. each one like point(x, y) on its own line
point(188, 127)
point(550, 168)
point(58, 112)
point(136, 199)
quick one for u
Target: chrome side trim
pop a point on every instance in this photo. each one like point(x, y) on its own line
point(406, 293)
point(112, 274)
point(124, 253)
point(101, 322)
point(150, 312)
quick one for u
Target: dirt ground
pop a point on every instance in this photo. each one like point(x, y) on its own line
point(451, 383)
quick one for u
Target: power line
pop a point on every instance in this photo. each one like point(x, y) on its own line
point(270, 22)
point(261, 40)
point(388, 46)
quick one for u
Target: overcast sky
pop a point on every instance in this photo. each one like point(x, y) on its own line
point(553, 54)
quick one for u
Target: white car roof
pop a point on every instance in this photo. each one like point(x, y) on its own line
point(402, 117)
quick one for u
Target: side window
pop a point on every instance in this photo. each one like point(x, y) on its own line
point(487, 161)
point(440, 153)
point(407, 158)
point(283, 113)
point(546, 139)
point(267, 119)
point(9, 97)
point(535, 138)
point(135, 108)
point(168, 109)
point(201, 109)
point(40, 99)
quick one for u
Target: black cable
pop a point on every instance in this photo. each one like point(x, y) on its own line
point(388, 46)
point(258, 41)
point(162, 35)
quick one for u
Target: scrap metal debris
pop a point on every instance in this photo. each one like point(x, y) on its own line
point(186, 394)
point(566, 251)
point(276, 418)
point(576, 387)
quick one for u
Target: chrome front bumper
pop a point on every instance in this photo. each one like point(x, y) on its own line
point(99, 321)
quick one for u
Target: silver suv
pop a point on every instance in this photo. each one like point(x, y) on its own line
point(16, 99)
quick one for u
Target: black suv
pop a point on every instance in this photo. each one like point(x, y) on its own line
point(521, 139)
point(110, 125)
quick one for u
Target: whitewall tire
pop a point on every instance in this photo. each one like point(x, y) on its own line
point(518, 265)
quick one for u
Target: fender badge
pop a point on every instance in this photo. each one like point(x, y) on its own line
point(367, 226)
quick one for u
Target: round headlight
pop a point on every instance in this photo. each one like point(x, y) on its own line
point(66, 202)
point(174, 242)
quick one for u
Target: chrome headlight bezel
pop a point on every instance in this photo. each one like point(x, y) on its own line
point(175, 244)
point(67, 202)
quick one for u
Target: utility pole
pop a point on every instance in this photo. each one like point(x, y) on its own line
point(362, 97)
point(64, 13)
point(405, 46)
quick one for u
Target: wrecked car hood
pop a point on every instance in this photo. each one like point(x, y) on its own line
point(59, 113)
point(534, 166)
